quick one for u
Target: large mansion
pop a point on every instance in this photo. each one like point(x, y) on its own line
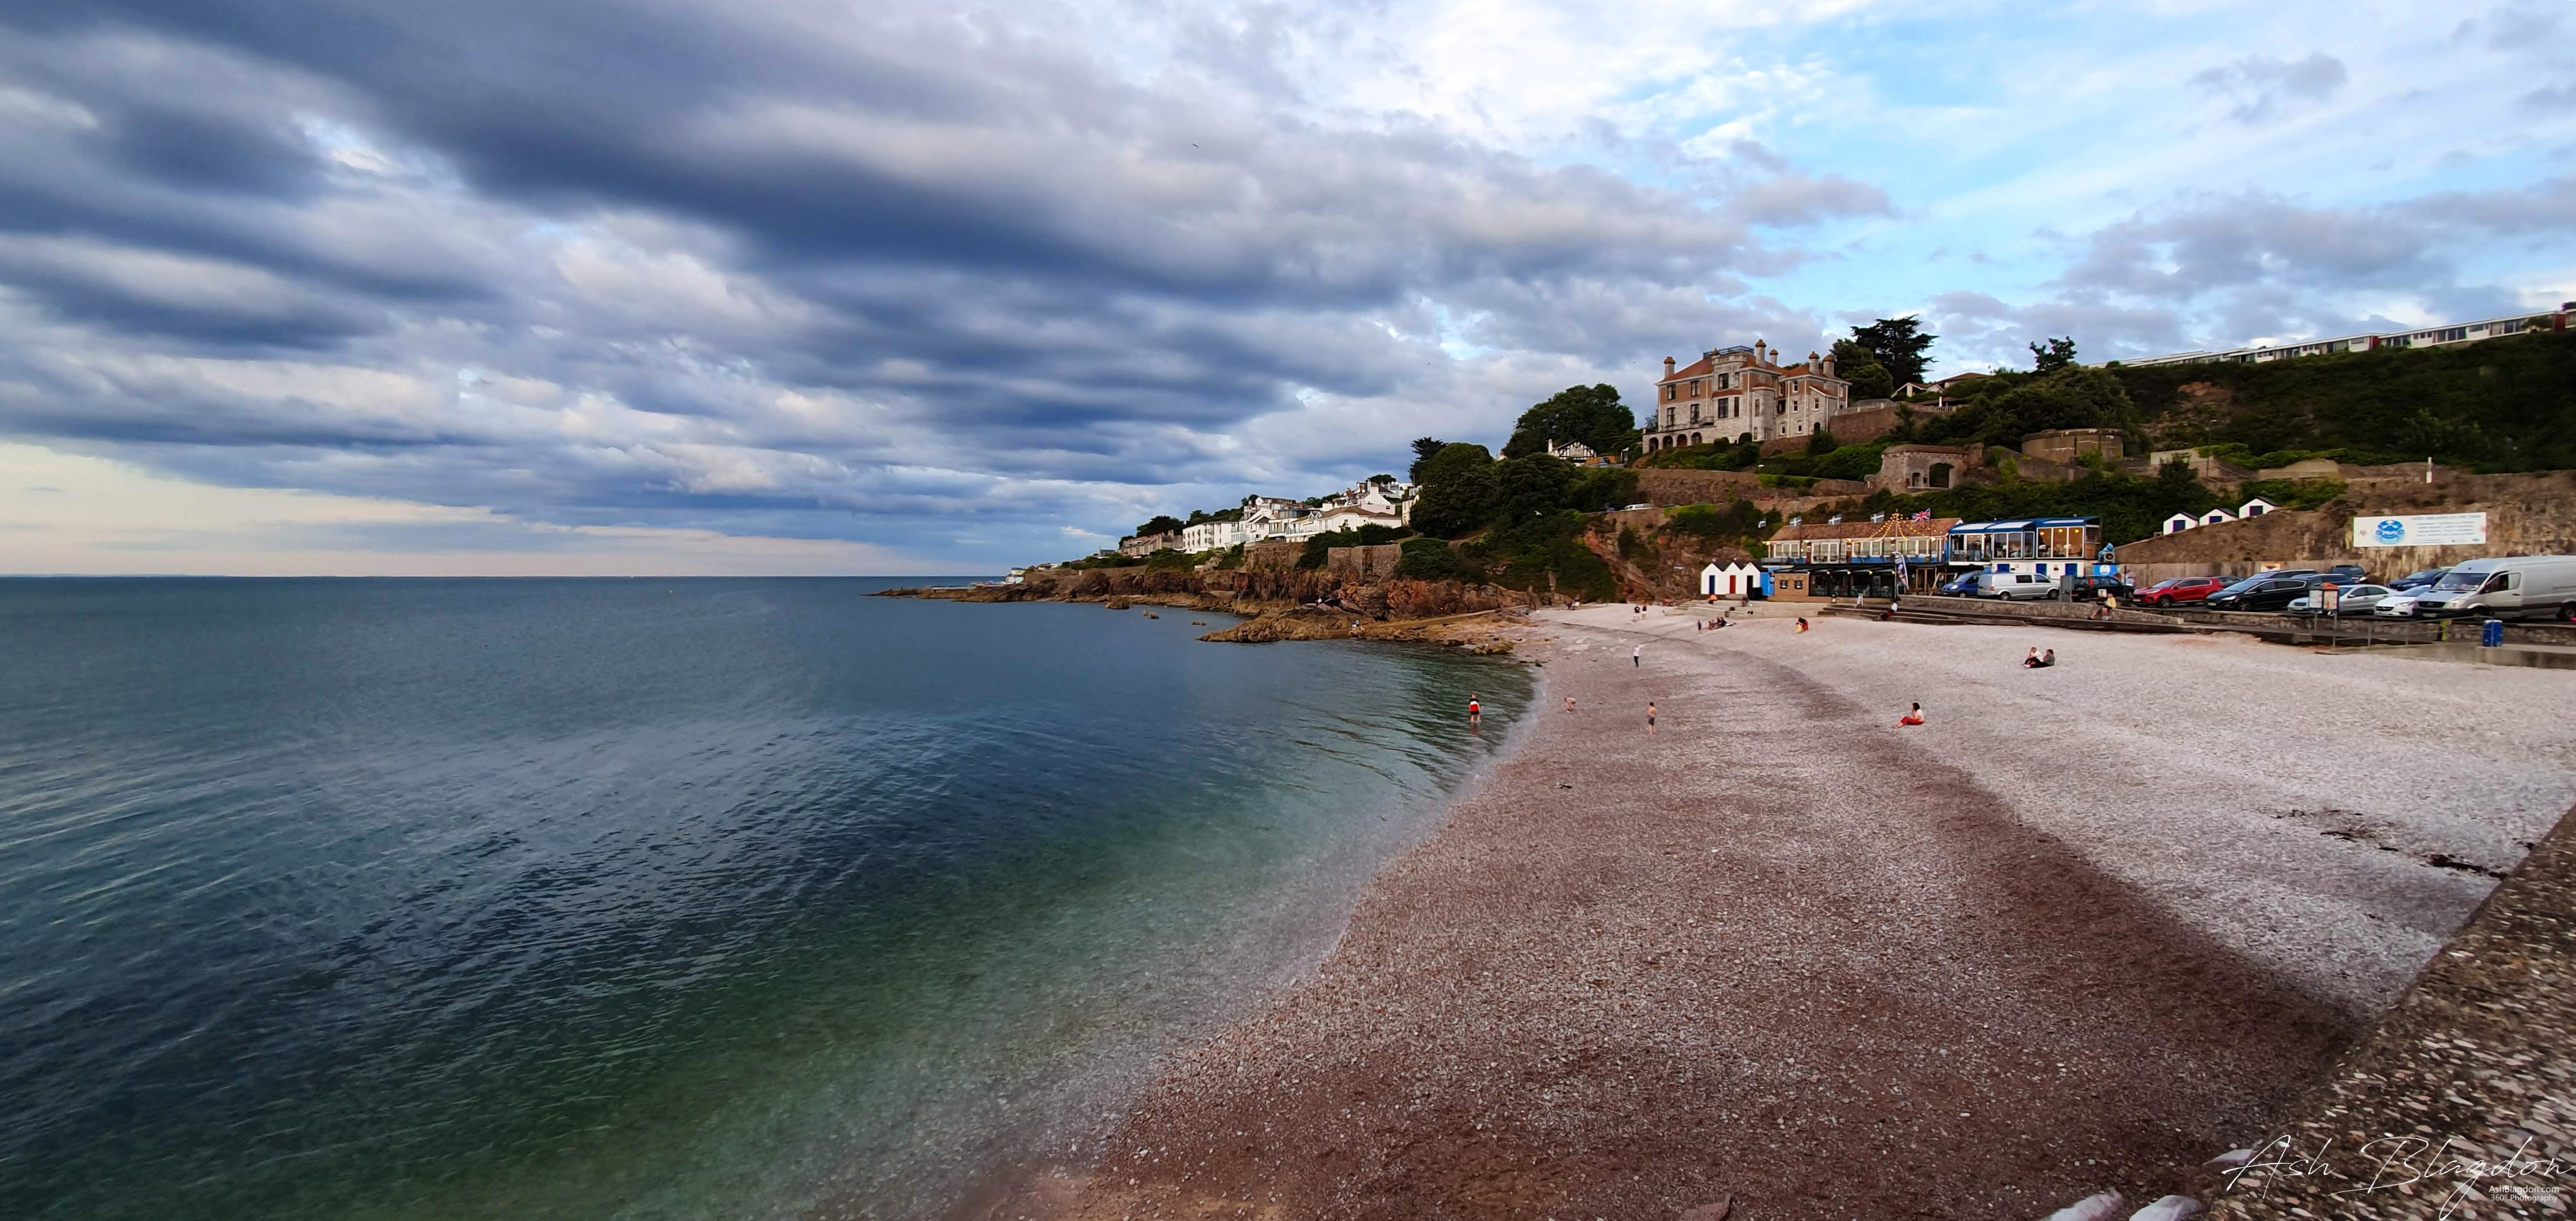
point(1732, 393)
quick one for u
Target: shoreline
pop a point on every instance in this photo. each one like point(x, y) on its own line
point(1633, 975)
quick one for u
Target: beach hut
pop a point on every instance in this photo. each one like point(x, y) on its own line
point(2215, 516)
point(1736, 580)
point(2256, 508)
point(2180, 522)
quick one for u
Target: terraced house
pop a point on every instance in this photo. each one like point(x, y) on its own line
point(1735, 392)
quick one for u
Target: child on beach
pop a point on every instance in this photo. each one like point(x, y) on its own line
point(1802, 623)
point(1650, 718)
point(1569, 703)
point(2030, 660)
point(1913, 717)
point(1475, 712)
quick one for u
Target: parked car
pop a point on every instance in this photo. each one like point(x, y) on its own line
point(1963, 585)
point(2421, 578)
point(2089, 589)
point(2515, 587)
point(2349, 599)
point(2270, 591)
point(2181, 589)
point(2349, 574)
point(2016, 586)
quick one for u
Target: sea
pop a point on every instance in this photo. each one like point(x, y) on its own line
point(704, 898)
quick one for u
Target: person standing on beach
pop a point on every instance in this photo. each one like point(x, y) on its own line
point(1475, 712)
point(1650, 718)
point(1569, 703)
point(1637, 657)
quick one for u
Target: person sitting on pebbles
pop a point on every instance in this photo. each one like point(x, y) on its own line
point(1802, 623)
point(2030, 660)
point(2046, 659)
point(1913, 716)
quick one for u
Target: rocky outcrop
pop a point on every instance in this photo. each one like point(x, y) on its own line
point(1301, 603)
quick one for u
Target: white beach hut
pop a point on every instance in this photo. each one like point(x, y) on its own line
point(2256, 507)
point(2215, 516)
point(1736, 580)
point(2180, 522)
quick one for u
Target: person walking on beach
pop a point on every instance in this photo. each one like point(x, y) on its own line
point(1569, 703)
point(1650, 718)
point(1637, 657)
point(1912, 717)
point(1475, 712)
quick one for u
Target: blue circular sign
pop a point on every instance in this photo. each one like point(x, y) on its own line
point(2389, 530)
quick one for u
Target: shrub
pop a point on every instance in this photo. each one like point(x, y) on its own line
point(1428, 559)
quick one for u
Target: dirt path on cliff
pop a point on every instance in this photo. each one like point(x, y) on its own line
point(1805, 963)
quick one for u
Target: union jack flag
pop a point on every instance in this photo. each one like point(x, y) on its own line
point(1922, 515)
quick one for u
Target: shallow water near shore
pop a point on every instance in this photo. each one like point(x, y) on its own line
point(645, 899)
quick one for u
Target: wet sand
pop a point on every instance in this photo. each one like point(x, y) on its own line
point(1785, 953)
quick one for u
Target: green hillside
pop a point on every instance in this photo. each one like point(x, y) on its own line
point(2500, 405)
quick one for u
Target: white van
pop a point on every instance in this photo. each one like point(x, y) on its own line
point(2016, 586)
point(2515, 587)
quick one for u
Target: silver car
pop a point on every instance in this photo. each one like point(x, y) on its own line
point(2350, 600)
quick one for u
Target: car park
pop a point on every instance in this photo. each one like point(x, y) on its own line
point(2180, 590)
point(2349, 600)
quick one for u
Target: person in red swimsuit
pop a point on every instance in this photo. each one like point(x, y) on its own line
point(1914, 717)
point(1475, 712)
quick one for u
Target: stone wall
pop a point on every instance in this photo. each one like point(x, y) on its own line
point(1363, 563)
point(1659, 486)
point(1276, 555)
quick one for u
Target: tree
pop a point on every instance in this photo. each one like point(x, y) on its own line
point(1590, 414)
point(1165, 524)
point(2057, 355)
point(1859, 366)
point(1898, 345)
point(1530, 487)
point(2072, 397)
point(1458, 490)
point(1423, 448)
point(1427, 559)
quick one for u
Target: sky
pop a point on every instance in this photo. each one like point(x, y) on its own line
point(689, 287)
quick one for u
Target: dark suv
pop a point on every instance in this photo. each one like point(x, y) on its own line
point(2089, 589)
point(2271, 591)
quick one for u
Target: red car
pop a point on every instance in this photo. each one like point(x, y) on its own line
point(2181, 589)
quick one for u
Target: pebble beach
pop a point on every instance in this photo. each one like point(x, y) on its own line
point(2086, 928)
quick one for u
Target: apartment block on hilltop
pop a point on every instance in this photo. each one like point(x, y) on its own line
point(1733, 392)
point(2428, 337)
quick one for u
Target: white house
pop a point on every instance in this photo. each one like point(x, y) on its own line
point(2256, 508)
point(2215, 516)
point(1736, 580)
point(1313, 524)
point(2180, 522)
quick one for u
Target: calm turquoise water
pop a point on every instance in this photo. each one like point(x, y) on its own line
point(647, 899)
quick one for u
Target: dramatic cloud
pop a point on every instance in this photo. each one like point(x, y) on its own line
point(912, 283)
